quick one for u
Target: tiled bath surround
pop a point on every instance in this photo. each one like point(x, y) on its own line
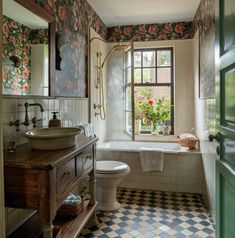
point(97, 46)
point(182, 171)
point(72, 112)
point(205, 124)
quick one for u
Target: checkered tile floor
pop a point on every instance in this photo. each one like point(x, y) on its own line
point(148, 214)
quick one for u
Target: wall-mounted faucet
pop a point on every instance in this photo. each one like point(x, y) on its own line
point(26, 121)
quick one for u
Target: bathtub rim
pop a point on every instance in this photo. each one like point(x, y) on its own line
point(183, 150)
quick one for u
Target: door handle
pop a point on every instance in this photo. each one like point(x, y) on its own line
point(217, 150)
point(214, 137)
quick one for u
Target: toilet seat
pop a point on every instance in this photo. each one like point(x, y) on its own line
point(111, 167)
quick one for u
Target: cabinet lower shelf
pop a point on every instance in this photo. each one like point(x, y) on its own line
point(73, 226)
point(68, 227)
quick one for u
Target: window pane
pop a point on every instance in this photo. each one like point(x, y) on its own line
point(164, 75)
point(148, 58)
point(128, 59)
point(128, 98)
point(137, 75)
point(163, 58)
point(137, 59)
point(162, 92)
point(128, 122)
point(128, 75)
point(152, 92)
point(149, 75)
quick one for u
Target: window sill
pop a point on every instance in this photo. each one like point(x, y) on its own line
point(169, 138)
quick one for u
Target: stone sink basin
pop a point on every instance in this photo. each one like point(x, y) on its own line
point(53, 138)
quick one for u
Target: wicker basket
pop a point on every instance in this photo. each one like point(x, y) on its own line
point(188, 140)
point(71, 209)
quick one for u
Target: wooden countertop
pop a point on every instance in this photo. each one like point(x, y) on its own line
point(25, 157)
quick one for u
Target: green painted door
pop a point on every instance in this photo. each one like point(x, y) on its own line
point(225, 99)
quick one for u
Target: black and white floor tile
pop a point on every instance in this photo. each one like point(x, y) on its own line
point(152, 214)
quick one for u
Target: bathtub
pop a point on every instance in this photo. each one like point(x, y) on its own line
point(182, 168)
point(136, 146)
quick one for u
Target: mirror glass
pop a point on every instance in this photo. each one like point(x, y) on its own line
point(25, 51)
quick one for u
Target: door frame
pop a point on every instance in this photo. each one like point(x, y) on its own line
point(2, 207)
point(225, 174)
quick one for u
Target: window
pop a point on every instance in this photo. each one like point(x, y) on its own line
point(153, 83)
point(128, 101)
point(153, 90)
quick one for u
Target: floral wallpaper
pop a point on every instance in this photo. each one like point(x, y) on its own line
point(16, 42)
point(146, 32)
point(38, 36)
point(73, 18)
point(204, 20)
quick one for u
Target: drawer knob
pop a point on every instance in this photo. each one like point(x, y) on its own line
point(68, 172)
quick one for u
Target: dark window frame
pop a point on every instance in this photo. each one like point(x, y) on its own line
point(171, 84)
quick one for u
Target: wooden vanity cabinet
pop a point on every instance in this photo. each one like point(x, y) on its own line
point(88, 158)
point(41, 180)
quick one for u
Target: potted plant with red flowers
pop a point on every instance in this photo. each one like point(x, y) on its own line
point(154, 110)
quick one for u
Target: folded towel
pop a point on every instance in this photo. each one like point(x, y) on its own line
point(151, 159)
point(72, 200)
point(88, 129)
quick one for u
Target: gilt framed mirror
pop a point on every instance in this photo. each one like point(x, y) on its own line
point(28, 64)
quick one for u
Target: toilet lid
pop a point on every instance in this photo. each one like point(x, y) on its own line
point(110, 166)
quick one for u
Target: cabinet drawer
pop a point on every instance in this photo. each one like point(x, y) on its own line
point(87, 163)
point(79, 165)
point(87, 159)
point(65, 176)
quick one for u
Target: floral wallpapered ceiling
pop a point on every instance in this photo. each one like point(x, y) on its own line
point(146, 32)
point(73, 18)
point(205, 21)
point(16, 42)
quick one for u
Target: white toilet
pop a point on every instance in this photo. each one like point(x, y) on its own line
point(108, 175)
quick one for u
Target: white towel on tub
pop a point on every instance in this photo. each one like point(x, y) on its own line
point(151, 159)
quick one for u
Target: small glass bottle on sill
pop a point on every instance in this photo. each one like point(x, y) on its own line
point(160, 128)
point(166, 131)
